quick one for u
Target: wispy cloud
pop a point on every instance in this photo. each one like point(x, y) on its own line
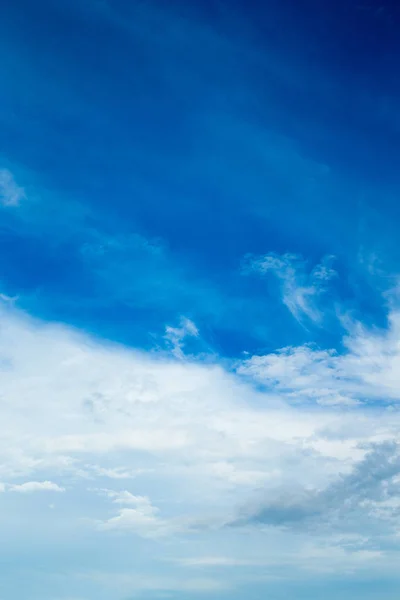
point(175, 336)
point(367, 369)
point(113, 472)
point(162, 584)
point(301, 288)
point(220, 561)
point(11, 193)
point(345, 553)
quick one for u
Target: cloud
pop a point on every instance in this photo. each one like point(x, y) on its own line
point(175, 336)
point(301, 288)
point(36, 486)
point(142, 518)
point(114, 472)
point(368, 370)
point(303, 374)
point(11, 193)
point(125, 497)
point(194, 441)
point(346, 558)
point(351, 501)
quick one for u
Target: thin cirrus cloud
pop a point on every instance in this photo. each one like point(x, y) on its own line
point(11, 194)
point(175, 336)
point(301, 288)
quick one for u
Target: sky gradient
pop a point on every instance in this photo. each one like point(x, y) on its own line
point(199, 300)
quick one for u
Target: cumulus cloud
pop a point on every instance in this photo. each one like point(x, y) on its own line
point(141, 517)
point(36, 486)
point(367, 370)
point(197, 440)
point(11, 193)
point(138, 515)
point(300, 287)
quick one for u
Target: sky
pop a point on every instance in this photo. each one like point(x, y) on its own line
point(199, 300)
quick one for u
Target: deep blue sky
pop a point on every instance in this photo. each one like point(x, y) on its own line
point(217, 130)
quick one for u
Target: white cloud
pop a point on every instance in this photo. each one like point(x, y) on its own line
point(142, 518)
point(175, 336)
point(301, 288)
point(125, 497)
point(11, 193)
point(36, 486)
point(114, 472)
point(367, 370)
point(198, 440)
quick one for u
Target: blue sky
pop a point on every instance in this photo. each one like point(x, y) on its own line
point(199, 300)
